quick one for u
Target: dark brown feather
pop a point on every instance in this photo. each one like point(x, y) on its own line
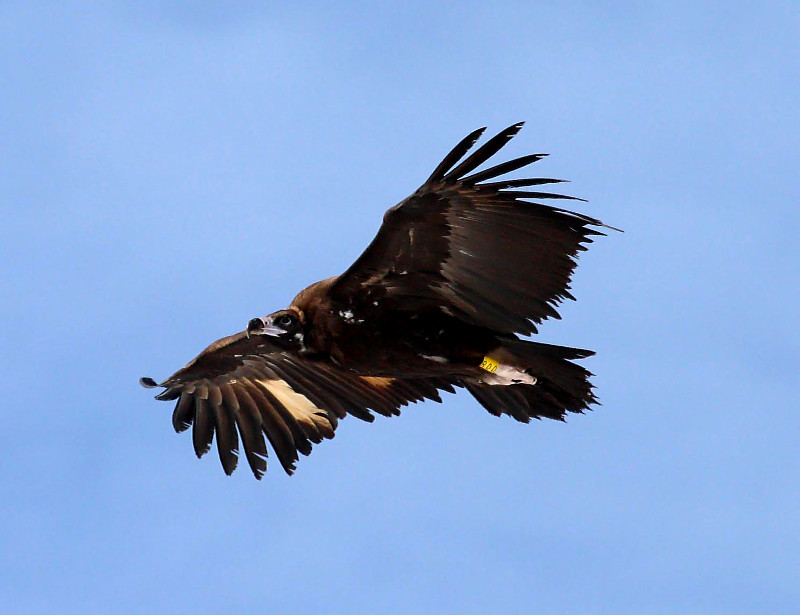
point(203, 430)
point(274, 419)
point(484, 152)
point(248, 421)
point(183, 415)
point(455, 155)
point(227, 438)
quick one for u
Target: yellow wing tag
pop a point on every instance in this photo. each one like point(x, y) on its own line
point(489, 364)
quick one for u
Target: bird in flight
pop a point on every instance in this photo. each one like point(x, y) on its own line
point(436, 302)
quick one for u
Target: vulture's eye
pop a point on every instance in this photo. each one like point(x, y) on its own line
point(285, 321)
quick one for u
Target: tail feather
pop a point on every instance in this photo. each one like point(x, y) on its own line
point(562, 386)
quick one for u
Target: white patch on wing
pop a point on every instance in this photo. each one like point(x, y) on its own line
point(299, 405)
point(506, 374)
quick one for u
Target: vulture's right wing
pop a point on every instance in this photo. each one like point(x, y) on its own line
point(256, 387)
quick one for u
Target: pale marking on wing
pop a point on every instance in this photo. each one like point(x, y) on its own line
point(506, 374)
point(299, 405)
point(378, 381)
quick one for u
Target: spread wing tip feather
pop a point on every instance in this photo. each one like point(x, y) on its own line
point(455, 155)
point(484, 152)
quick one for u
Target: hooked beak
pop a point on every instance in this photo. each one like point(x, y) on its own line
point(263, 326)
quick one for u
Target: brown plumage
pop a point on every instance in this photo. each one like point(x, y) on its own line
point(435, 302)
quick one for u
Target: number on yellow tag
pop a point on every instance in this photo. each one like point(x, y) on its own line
point(489, 364)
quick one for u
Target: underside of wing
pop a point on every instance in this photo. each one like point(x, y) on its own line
point(251, 387)
point(475, 246)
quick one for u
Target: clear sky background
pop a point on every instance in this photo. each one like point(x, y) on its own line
point(169, 172)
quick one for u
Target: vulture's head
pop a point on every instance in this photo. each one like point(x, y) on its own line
point(283, 324)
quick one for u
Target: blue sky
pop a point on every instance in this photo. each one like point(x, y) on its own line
point(167, 173)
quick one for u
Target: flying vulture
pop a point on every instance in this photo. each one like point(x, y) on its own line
point(436, 302)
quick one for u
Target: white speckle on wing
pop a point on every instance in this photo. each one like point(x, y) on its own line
point(434, 358)
point(506, 374)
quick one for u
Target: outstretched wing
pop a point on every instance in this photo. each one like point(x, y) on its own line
point(252, 386)
point(478, 249)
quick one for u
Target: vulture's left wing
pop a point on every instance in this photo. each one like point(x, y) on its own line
point(480, 250)
point(252, 386)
